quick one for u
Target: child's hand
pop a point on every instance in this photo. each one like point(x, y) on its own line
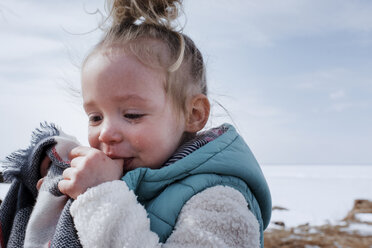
point(89, 167)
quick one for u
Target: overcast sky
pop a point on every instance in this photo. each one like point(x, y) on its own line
point(294, 75)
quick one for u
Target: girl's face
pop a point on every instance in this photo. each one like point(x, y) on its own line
point(130, 115)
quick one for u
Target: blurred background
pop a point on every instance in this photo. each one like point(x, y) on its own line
point(295, 76)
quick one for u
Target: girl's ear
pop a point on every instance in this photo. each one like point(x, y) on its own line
point(197, 113)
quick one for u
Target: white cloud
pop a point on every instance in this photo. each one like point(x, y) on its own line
point(272, 110)
point(326, 79)
point(339, 107)
point(343, 106)
point(46, 16)
point(263, 23)
point(20, 46)
point(337, 94)
point(333, 90)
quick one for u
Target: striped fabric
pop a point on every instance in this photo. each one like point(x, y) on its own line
point(24, 223)
point(194, 144)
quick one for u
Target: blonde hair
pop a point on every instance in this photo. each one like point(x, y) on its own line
point(145, 28)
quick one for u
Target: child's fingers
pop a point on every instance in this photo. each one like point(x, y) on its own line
point(80, 151)
point(67, 174)
point(65, 187)
point(62, 186)
point(77, 162)
point(119, 162)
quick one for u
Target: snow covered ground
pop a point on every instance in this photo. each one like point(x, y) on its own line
point(316, 194)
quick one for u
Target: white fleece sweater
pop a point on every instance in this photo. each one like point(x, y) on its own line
point(110, 216)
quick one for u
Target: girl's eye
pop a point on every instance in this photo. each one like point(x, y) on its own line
point(133, 116)
point(94, 118)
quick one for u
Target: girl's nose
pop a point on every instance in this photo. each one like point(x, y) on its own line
point(110, 133)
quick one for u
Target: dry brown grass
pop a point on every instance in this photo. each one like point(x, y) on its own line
point(327, 236)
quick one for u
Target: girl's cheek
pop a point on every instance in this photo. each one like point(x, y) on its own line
point(136, 143)
point(142, 141)
point(93, 138)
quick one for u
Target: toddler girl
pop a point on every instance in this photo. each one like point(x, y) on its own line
point(149, 177)
point(144, 91)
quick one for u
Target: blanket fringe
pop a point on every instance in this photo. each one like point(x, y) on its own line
point(13, 163)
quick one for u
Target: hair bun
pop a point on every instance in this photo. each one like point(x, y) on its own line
point(156, 12)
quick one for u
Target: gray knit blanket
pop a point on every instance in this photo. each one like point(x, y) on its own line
point(32, 218)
